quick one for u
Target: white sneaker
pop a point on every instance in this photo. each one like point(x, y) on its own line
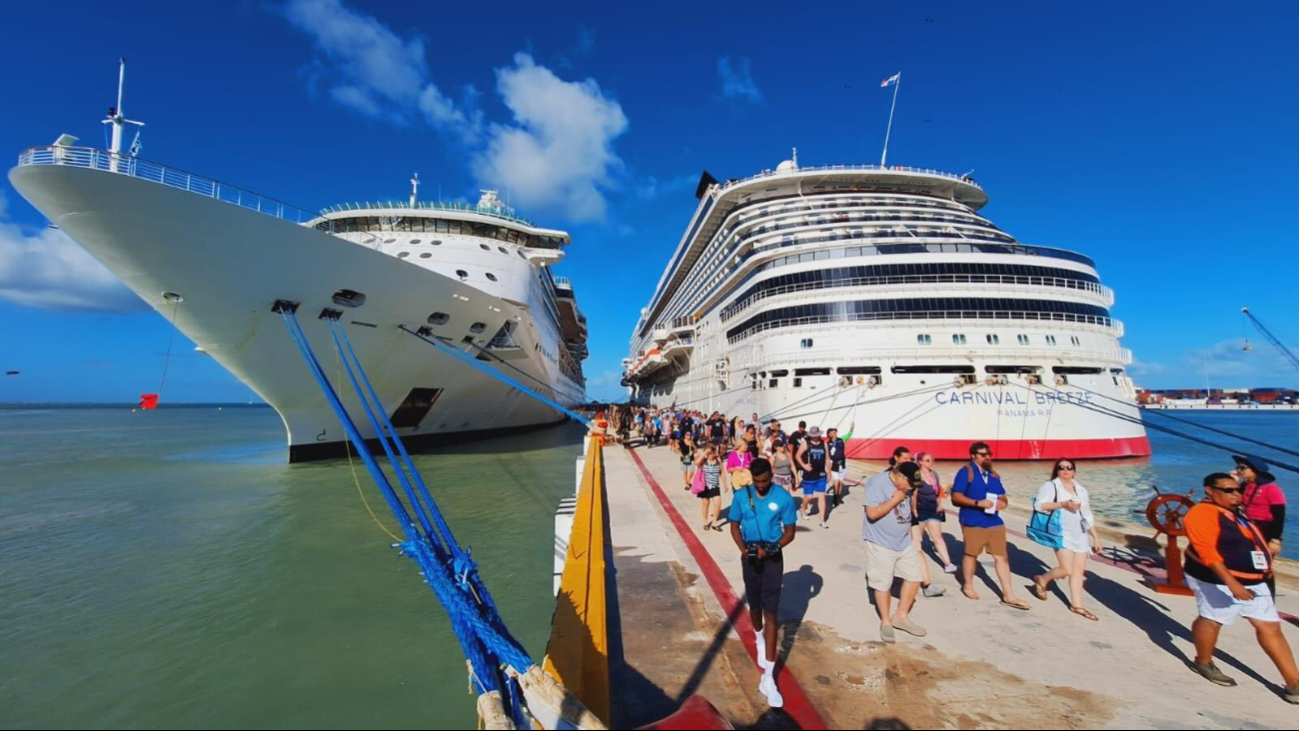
point(767, 686)
point(949, 568)
point(825, 524)
point(804, 515)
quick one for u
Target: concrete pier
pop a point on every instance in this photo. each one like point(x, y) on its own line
point(676, 629)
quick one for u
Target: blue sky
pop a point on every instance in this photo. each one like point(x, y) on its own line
point(1156, 140)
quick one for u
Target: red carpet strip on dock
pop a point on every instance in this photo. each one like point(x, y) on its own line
point(797, 704)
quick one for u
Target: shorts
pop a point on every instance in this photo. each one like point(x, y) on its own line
point(977, 540)
point(687, 466)
point(785, 481)
point(885, 564)
point(710, 492)
point(1215, 602)
point(812, 487)
point(838, 475)
point(762, 584)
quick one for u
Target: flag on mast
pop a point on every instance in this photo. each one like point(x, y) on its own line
point(890, 80)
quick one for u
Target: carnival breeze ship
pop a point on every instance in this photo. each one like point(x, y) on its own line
point(216, 259)
point(880, 300)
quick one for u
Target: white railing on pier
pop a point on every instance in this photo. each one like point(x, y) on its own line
point(134, 167)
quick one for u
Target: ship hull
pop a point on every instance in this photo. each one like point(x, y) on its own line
point(231, 265)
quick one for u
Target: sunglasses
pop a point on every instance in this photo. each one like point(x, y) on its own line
point(1228, 490)
point(983, 454)
point(1066, 468)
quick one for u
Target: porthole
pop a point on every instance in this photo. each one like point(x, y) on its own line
point(403, 254)
point(484, 247)
point(491, 276)
point(462, 274)
point(389, 241)
point(439, 318)
point(477, 327)
point(414, 241)
point(502, 250)
point(436, 242)
point(425, 255)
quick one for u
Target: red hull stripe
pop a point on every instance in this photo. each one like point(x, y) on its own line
point(1005, 449)
point(797, 704)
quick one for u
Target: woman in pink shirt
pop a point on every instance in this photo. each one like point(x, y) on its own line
point(1264, 502)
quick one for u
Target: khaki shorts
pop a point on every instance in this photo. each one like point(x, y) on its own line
point(978, 540)
point(884, 564)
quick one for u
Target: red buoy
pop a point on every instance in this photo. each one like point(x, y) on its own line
point(148, 401)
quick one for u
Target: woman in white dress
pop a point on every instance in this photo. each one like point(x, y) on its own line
point(1065, 494)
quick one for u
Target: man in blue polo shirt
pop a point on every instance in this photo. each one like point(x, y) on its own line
point(762, 524)
point(978, 492)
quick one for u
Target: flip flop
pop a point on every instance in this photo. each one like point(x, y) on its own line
point(1039, 591)
point(1084, 613)
point(1017, 604)
point(970, 595)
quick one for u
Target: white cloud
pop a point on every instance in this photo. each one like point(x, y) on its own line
point(555, 154)
point(737, 79)
point(44, 268)
point(374, 71)
point(558, 152)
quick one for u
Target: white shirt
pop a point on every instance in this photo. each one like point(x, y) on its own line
point(1074, 525)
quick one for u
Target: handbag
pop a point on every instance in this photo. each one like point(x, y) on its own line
point(1044, 529)
point(698, 484)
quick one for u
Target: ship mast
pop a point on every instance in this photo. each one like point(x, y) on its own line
point(115, 116)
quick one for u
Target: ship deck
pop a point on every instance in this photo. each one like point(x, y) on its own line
point(674, 609)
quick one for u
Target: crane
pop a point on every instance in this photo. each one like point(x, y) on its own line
point(1274, 340)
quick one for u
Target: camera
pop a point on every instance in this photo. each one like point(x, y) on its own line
point(772, 550)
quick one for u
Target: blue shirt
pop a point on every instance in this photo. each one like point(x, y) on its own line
point(983, 486)
point(766, 520)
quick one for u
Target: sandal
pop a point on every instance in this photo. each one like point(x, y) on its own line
point(1039, 591)
point(717, 528)
point(1084, 613)
point(1016, 604)
point(969, 594)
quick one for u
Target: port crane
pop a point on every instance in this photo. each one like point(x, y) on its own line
point(1274, 340)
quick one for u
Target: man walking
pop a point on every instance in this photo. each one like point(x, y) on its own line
point(838, 465)
point(1227, 566)
point(762, 525)
point(813, 457)
point(890, 553)
point(978, 492)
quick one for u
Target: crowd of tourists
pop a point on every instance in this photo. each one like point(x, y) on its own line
point(776, 477)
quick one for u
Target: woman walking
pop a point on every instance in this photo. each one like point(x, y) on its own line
point(710, 497)
point(929, 515)
point(738, 459)
point(1065, 495)
point(782, 463)
point(686, 451)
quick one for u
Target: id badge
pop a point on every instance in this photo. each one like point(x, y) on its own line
point(1260, 560)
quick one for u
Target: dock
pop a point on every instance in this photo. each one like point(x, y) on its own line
point(677, 627)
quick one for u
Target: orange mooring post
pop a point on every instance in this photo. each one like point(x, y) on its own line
point(1166, 512)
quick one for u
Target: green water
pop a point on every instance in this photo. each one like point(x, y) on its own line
point(168, 570)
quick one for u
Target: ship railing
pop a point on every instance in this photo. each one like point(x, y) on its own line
point(917, 318)
point(135, 167)
point(999, 282)
point(853, 168)
point(502, 212)
point(991, 355)
point(563, 282)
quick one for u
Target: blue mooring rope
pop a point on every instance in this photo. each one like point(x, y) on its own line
point(449, 571)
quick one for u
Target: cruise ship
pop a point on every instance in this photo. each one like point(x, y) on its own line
point(215, 259)
point(880, 301)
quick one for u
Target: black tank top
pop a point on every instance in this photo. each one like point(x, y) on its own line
point(815, 459)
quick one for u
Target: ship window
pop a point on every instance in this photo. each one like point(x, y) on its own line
point(780, 373)
point(994, 339)
point(425, 255)
point(477, 327)
point(502, 250)
point(859, 370)
point(462, 274)
point(773, 383)
point(1050, 340)
point(805, 343)
point(1077, 370)
point(491, 276)
point(958, 339)
point(403, 254)
point(436, 242)
point(522, 255)
point(415, 407)
point(924, 340)
point(389, 241)
point(798, 383)
point(414, 241)
point(484, 247)
point(1022, 338)
point(1075, 340)
point(439, 318)
point(811, 371)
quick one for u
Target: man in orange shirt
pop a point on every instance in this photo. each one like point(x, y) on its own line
point(1227, 566)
